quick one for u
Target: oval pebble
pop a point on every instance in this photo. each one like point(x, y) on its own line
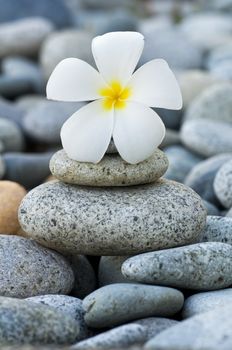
point(217, 229)
point(223, 184)
point(10, 135)
point(111, 171)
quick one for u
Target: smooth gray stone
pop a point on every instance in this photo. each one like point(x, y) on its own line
point(69, 306)
point(201, 266)
point(109, 270)
point(223, 184)
point(202, 175)
point(223, 70)
point(29, 101)
point(84, 276)
point(24, 322)
point(2, 167)
point(112, 170)
point(44, 121)
point(217, 229)
point(229, 213)
point(56, 11)
point(117, 338)
point(174, 47)
point(218, 56)
point(181, 161)
point(207, 137)
point(207, 301)
point(172, 137)
point(11, 112)
point(28, 169)
point(11, 87)
point(210, 330)
point(122, 302)
point(10, 135)
point(98, 222)
point(28, 269)
point(213, 104)
point(24, 36)
point(63, 44)
point(155, 325)
point(211, 209)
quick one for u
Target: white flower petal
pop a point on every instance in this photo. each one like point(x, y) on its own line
point(155, 85)
point(87, 133)
point(138, 131)
point(74, 80)
point(117, 54)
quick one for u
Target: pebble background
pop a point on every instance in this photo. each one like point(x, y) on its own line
point(113, 255)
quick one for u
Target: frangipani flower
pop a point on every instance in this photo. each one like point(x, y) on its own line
point(121, 99)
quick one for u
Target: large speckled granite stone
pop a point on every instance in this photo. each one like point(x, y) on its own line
point(122, 302)
point(112, 221)
point(112, 170)
point(210, 330)
point(118, 338)
point(203, 302)
point(202, 266)
point(28, 269)
point(24, 322)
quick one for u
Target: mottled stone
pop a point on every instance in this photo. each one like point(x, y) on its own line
point(193, 83)
point(217, 229)
point(27, 269)
point(69, 306)
point(207, 137)
point(210, 330)
point(10, 135)
point(213, 104)
point(84, 276)
point(207, 301)
point(24, 322)
point(223, 184)
point(63, 44)
point(121, 302)
point(155, 325)
point(181, 161)
point(118, 338)
point(98, 222)
point(11, 195)
point(112, 170)
point(24, 36)
point(43, 122)
point(201, 266)
point(109, 270)
point(211, 209)
point(201, 177)
point(28, 169)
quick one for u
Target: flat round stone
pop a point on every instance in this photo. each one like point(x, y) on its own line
point(112, 170)
point(112, 221)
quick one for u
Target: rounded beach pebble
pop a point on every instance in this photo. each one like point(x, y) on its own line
point(112, 170)
point(121, 302)
point(28, 269)
point(97, 222)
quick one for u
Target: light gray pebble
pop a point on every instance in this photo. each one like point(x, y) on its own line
point(117, 338)
point(214, 104)
point(112, 170)
point(11, 111)
point(207, 137)
point(84, 276)
point(29, 101)
point(155, 325)
point(98, 222)
point(44, 121)
point(201, 177)
point(28, 269)
point(69, 306)
point(201, 266)
point(210, 330)
point(181, 161)
point(24, 322)
point(207, 301)
point(109, 270)
point(122, 302)
point(217, 229)
point(223, 184)
point(10, 135)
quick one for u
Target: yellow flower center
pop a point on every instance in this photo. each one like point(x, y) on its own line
point(115, 95)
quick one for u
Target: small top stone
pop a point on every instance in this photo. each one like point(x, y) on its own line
point(111, 171)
